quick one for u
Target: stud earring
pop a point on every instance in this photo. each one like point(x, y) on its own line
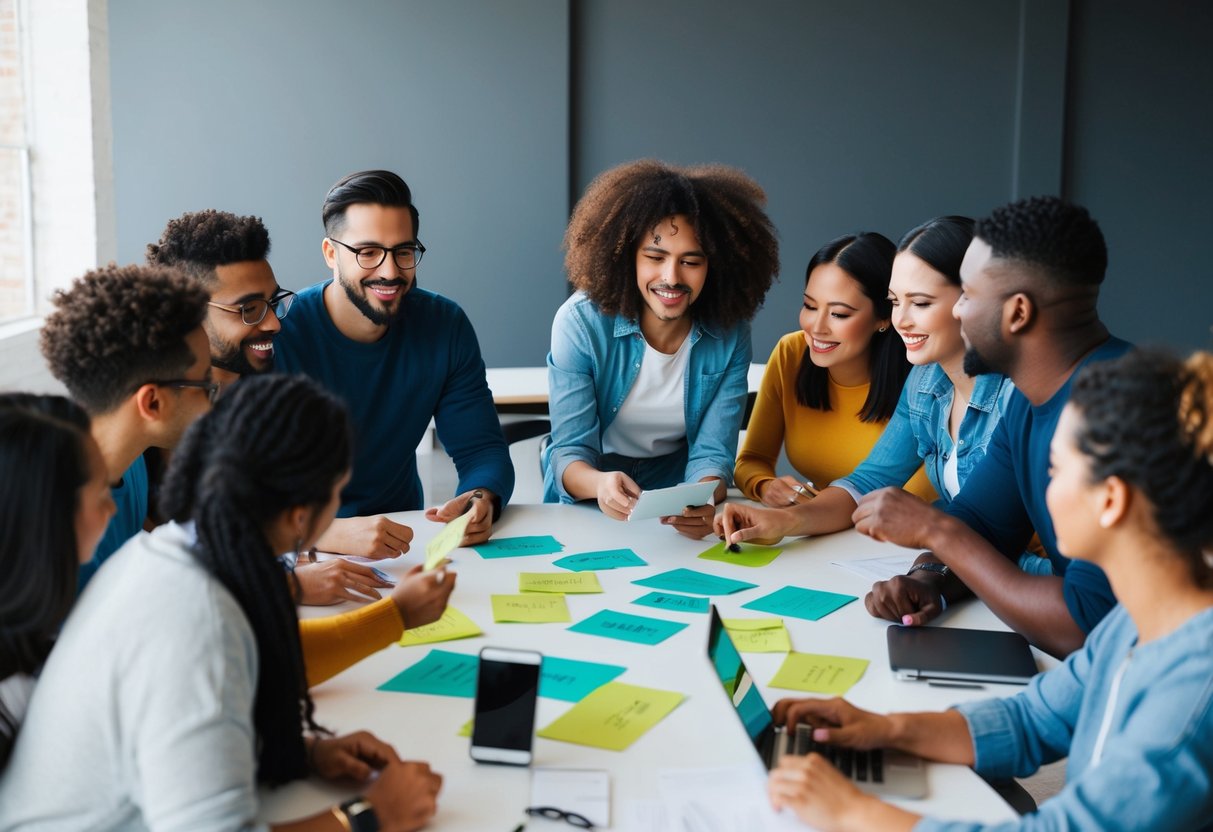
point(883, 328)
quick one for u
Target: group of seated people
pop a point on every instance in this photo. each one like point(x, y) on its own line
point(955, 392)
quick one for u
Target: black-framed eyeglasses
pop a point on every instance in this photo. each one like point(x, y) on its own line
point(253, 312)
point(552, 813)
point(406, 255)
point(211, 387)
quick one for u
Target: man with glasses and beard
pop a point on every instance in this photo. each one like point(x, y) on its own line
point(398, 356)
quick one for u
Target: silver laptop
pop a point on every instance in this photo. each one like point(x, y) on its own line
point(880, 771)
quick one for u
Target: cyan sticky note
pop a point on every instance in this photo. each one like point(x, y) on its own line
point(606, 559)
point(517, 547)
point(672, 601)
point(635, 628)
point(572, 680)
point(697, 583)
point(440, 673)
point(798, 602)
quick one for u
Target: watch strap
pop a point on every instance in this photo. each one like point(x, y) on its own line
point(358, 815)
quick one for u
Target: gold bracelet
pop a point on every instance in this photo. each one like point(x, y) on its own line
point(342, 818)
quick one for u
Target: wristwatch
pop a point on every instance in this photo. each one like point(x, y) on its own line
point(359, 815)
point(940, 569)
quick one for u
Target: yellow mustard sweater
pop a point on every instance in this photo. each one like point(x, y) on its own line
point(822, 445)
point(334, 642)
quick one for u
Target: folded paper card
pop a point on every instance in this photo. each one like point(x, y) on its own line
point(532, 608)
point(819, 674)
point(452, 625)
point(612, 717)
point(636, 628)
point(671, 601)
point(751, 554)
point(446, 541)
point(440, 673)
point(758, 635)
point(798, 602)
point(606, 559)
point(517, 547)
point(696, 583)
point(562, 582)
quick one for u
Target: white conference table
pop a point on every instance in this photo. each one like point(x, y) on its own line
point(526, 388)
point(701, 732)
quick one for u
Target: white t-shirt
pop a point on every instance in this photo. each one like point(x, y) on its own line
point(652, 420)
point(951, 474)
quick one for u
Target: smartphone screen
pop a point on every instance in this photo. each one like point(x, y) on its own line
point(506, 689)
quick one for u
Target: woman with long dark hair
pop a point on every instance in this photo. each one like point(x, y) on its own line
point(178, 682)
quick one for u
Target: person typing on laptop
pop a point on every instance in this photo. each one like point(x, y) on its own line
point(1132, 479)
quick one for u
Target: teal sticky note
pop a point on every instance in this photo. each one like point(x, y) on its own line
point(671, 601)
point(517, 547)
point(636, 628)
point(440, 673)
point(798, 602)
point(697, 583)
point(594, 561)
point(573, 680)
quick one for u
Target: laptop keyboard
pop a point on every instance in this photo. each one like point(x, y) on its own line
point(864, 766)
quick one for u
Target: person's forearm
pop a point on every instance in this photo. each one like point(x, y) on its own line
point(940, 736)
point(1032, 605)
point(581, 480)
point(830, 511)
point(870, 812)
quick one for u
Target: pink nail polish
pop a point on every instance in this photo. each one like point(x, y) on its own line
point(907, 620)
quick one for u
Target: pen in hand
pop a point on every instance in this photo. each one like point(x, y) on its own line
point(476, 495)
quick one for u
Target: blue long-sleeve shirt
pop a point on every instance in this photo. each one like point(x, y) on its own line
point(427, 365)
point(1149, 767)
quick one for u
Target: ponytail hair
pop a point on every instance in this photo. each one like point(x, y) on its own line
point(271, 444)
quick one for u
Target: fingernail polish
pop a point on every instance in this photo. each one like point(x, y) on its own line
point(907, 620)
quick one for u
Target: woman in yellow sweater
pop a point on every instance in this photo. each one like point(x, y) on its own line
point(830, 387)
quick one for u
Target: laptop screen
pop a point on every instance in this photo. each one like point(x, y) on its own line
point(737, 683)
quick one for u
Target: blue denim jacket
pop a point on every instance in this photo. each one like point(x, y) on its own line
point(594, 362)
point(918, 433)
point(1156, 766)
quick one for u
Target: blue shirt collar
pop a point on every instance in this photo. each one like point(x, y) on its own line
point(986, 389)
point(625, 326)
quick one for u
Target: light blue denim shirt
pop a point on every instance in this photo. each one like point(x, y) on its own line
point(918, 433)
point(594, 362)
point(1150, 767)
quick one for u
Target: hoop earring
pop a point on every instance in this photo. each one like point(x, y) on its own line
point(883, 328)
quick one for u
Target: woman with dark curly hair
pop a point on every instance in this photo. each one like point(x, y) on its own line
point(831, 386)
point(647, 372)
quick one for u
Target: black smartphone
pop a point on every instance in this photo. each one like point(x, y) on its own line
point(507, 686)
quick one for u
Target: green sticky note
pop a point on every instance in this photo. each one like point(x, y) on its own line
point(636, 628)
point(758, 635)
point(466, 730)
point(440, 673)
point(697, 583)
point(571, 680)
point(562, 582)
point(750, 555)
point(517, 547)
point(534, 608)
point(452, 625)
point(446, 540)
point(672, 601)
point(798, 602)
point(607, 559)
point(819, 674)
point(612, 717)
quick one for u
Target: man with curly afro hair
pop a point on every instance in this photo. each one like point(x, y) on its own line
point(128, 344)
point(227, 253)
point(647, 371)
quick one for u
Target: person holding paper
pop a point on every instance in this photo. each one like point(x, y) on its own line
point(1132, 463)
point(647, 370)
point(830, 387)
point(187, 644)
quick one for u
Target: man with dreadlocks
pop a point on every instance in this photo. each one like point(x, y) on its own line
point(647, 371)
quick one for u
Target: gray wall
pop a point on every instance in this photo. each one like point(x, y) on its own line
point(874, 114)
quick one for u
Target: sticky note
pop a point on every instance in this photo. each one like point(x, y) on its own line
point(466, 730)
point(672, 601)
point(612, 717)
point(819, 674)
point(758, 635)
point(697, 583)
point(452, 625)
point(440, 673)
point(533, 608)
point(606, 559)
point(517, 547)
point(571, 680)
point(798, 602)
point(563, 582)
point(635, 628)
point(446, 540)
point(750, 555)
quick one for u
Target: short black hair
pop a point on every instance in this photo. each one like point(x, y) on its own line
point(374, 187)
point(1058, 238)
point(118, 327)
point(198, 241)
point(941, 243)
point(867, 257)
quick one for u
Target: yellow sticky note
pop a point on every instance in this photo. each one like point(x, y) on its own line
point(446, 540)
point(451, 626)
point(758, 635)
point(536, 608)
point(613, 717)
point(562, 582)
point(819, 674)
point(466, 730)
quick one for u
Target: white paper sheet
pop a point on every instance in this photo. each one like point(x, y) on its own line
point(878, 569)
point(664, 502)
point(584, 791)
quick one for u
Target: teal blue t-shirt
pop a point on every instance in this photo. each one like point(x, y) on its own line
point(130, 497)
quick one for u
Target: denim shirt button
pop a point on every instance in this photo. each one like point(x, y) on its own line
point(637, 365)
point(961, 442)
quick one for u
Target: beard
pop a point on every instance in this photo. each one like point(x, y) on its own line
point(231, 357)
point(975, 364)
point(377, 316)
